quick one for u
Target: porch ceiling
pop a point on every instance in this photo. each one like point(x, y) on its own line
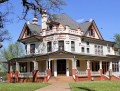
point(30, 39)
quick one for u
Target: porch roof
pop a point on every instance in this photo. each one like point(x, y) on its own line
point(64, 55)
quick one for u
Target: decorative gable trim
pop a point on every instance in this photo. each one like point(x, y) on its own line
point(96, 28)
point(23, 30)
point(60, 25)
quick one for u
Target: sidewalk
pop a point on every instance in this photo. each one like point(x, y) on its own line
point(57, 86)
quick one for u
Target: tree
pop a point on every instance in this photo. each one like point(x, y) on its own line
point(35, 6)
point(117, 41)
point(13, 51)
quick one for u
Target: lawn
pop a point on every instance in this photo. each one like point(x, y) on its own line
point(95, 86)
point(21, 86)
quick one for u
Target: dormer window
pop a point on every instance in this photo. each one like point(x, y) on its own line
point(28, 32)
point(91, 32)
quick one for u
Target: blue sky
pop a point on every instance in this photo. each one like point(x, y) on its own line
point(106, 14)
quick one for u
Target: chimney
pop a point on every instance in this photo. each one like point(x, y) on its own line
point(35, 20)
point(44, 20)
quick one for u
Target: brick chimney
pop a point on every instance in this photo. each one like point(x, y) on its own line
point(35, 20)
point(44, 20)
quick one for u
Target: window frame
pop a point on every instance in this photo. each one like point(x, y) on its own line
point(61, 46)
point(72, 46)
point(82, 49)
point(49, 46)
point(32, 50)
point(88, 50)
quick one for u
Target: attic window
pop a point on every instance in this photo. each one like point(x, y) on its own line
point(91, 32)
point(28, 31)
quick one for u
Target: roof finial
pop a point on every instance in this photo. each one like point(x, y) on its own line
point(35, 20)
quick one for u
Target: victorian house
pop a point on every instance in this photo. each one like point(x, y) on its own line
point(62, 47)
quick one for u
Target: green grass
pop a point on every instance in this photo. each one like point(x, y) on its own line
point(95, 86)
point(21, 86)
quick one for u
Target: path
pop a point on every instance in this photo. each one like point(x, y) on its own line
point(57, 86)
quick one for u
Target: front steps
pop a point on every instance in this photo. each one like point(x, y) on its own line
point(61, 79)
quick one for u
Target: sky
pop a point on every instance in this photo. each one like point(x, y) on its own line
point(105, 13)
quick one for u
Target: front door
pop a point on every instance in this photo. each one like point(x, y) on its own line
point(61, 67)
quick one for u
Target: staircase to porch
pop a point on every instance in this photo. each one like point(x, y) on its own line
point(61, 79)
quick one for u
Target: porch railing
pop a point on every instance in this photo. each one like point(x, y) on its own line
point(95, 73)
point(82, 73)
point(27, 74)
point(117, 74)
point(13, 75)
point(41, 74)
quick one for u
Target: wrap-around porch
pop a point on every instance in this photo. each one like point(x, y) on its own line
point(41, 71)
point(40, 68)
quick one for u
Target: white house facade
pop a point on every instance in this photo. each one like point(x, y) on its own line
point(62, 47)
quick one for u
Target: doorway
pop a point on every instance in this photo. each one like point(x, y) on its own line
point(61, 67)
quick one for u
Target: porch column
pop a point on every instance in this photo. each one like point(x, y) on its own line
point(48, 68)
point(35, 71)
point(28, 66)
point(101, 70)
point(110, 70)
point(67, 67)
point(88, 69)
point(55, 68)
point(73, 67)
point(10, 72)
point(17, 72)
point(119, 65)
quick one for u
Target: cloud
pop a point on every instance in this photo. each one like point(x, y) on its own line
point(80, 20)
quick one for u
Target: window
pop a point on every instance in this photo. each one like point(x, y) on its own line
point(88, 51)
point(87, 43)
point(82, 49)
point(115, 66)
point(61, 45)
point(28, 31)
point(78, 63)
point(108, 48)
point(91, 32)
point(98, 50)
point(72, 46)
point(49, 46)
point(26, 48)
point(50, 27)
point(32, 48)
point(31, 66)
point(23, 67)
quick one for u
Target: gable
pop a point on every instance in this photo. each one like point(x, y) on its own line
point(25, 32)
point(60, 27)
point(93, 32)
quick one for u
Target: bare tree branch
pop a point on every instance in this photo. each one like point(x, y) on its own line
point(2, 1)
